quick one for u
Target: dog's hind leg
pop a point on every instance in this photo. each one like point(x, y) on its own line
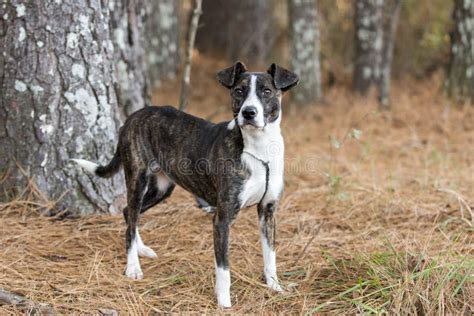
point(143, 250)
point(202, 204)
point(137, 183)
point(159, 188)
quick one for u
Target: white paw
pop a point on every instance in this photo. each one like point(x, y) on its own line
point(224, 301)
point(273, 284)
point(222, 288)
point(209, 209)
point(134, 272)
point(145, 251)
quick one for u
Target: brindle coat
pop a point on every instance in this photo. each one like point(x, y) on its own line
point(160, 146)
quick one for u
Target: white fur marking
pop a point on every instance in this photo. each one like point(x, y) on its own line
point(143, 250)
point(231, 125)
point(269, 263)
point(163, 182)
point(267, 145)
point(134, 271)
point(209, 209)
point(86, 165)
point(252, 100)
point(223, 287)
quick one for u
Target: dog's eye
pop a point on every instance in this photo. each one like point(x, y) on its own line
point(267, 92)
point(238, 92)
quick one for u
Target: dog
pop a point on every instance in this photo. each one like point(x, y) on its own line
point(227, 166)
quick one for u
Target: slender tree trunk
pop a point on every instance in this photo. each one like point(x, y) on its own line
point(369, 44)
point(58, 101)
point(376, 24)
point(460, 76)
point(127, 28)
point(243, 29)
point(392, 13)
point(305, 48)
point(186, 81)
point(162, 39)
point(213, 28)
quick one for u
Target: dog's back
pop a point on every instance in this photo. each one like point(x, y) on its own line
point(183, 147)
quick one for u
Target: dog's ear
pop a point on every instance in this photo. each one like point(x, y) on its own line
point(228, 77)
point(283, 78)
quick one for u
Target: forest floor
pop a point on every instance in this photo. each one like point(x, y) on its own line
point(377, 216)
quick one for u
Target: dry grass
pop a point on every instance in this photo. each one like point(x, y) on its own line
point(374, 222)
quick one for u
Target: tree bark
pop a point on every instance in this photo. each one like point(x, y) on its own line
point(242, 29)
point(376, 24)
point(460, 76)
point(58, 101)
point(305, 50)
point(183, 97)
point(392, 13)
point(162, 39)
point(127, 25)
point(369, 44)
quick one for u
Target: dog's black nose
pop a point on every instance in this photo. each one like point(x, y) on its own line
point(249, 112)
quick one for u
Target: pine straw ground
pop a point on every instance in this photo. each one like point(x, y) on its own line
point(377, 216)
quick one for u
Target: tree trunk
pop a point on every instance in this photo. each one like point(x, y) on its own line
point(460, 77)
point(392, 12)
point(162, 39)
point(376, 24)
point(127, 26)
point(369, 44)
point(305, 48)
point(186, 81)
point(242, 29)
point(58, 101)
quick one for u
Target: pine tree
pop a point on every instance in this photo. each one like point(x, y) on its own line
point(58, 101)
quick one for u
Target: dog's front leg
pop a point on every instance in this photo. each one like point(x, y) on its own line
point(221, 251)
point(267, 238)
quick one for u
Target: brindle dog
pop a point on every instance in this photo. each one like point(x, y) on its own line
point(227, 166)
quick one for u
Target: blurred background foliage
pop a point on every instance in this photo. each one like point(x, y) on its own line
point(422, 43)
point(422, 39)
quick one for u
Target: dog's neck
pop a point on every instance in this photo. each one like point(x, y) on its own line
point(263, 157)
point(263, 142)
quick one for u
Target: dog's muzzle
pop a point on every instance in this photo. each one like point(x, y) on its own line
point(249, 112)
point(249, 115)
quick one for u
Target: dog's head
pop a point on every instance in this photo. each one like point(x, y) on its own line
point(256, 96)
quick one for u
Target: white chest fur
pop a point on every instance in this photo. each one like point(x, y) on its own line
point(266, 145)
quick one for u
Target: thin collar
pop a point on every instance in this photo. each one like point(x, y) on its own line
point(266, 165)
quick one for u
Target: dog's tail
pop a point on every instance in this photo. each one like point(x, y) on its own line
point(101, 171)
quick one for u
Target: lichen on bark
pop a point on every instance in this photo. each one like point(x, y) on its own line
point(127, 28)
point(376, 23)
point(369, 43)
point(162, 44)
